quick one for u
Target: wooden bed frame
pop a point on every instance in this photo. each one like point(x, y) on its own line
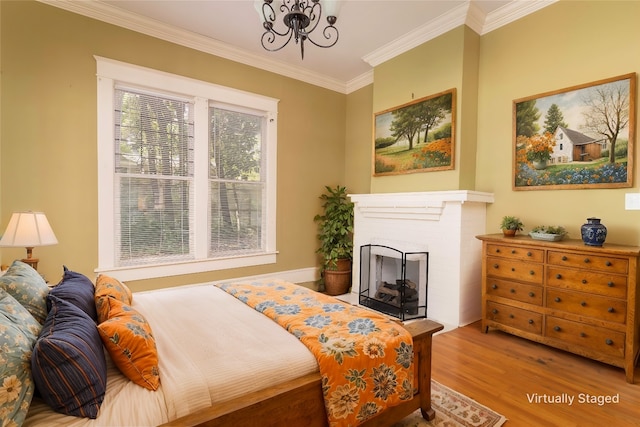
point(300, 403)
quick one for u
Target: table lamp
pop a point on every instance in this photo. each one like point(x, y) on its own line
point(28, 229)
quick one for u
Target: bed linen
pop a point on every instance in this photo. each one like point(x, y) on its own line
point(365, 359)
point(211, 348)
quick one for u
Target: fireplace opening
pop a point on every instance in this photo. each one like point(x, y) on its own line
point(394, 282)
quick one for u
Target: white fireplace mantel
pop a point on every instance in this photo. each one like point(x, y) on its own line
point(427, 206)
point(443, 223)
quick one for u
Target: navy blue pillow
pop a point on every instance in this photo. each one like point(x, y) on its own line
point(68, 363)
point(77, 289)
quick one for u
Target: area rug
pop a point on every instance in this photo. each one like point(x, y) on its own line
point(453, 410)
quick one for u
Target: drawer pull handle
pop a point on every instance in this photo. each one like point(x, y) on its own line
point(610, 284)
point(532, 272)
point(495, 265)
point(556, 328)
point(608, 263)
point(513, 269)
point(529, 254)
point(498, 250)
point(582, 334)
point(531, 321)
point(513, 291)
point(564, 257)
point(611, 310)
point(513, 251)
point(583, 303)
point(557, 299)
point(531, 294)
point(511, 316)
point(608, 341)
point(494, 311)
point(558, 276)
point(494, 286)
point(584, 281)
point(586, 261)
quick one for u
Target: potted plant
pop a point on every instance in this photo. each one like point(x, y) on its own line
point(548, 232)
point(335, 233)
point(510, 225)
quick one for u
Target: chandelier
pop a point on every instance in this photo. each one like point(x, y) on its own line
point(300, 19)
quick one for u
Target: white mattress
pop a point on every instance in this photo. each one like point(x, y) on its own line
point(211, 348)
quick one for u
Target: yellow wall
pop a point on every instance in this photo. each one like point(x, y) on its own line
point(358, 158)
point(431, 68)
point(545, 51)
point(48, 127)
point(48, 134)
point(562, 45)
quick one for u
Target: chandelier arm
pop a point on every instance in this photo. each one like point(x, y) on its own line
point(270, 39)
point(269, 17)
point(329, 32)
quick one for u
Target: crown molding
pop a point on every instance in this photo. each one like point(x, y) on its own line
point(467, 13)
point(512, 12)
point(420, 35)
point(112, 15)
point(359, 82)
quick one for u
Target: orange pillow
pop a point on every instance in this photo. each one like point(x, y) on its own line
point(127, 336)
point(108, 287)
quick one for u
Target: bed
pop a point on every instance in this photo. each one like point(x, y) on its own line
point(221, 362)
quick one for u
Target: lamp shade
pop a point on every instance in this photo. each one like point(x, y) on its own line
point(28, 230)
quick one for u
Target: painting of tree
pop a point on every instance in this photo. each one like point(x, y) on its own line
point(416, 137)
point(579, 137)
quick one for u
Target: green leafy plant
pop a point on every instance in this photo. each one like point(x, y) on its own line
point(550, 229)
point(511, 223)
point(335, 227)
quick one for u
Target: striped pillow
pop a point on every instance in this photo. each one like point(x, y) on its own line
point(77, 289)
point(68, 363)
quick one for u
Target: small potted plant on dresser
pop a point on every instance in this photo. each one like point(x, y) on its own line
point(335, 233)
point(551, 233)
point(510, 225)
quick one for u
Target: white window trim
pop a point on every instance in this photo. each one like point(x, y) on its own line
point(110, 72)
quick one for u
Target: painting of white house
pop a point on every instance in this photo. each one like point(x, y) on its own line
point(580, 137)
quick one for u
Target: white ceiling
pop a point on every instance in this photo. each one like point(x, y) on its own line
point(371, 31)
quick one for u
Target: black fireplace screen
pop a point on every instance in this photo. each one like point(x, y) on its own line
point(394, 282)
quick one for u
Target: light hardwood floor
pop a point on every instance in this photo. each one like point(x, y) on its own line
point(512, 376)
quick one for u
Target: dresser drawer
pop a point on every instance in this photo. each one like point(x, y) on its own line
point(513, 252)
point(514, 269)
point(588, 281)
point(590, 337)
point(518, 318)
point(588, 261)
point(603, 308)
point(530, 294)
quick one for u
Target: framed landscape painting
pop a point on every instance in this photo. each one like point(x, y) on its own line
point(574, 138)
point(416, 137)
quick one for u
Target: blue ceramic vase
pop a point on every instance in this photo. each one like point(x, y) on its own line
point(593, 233)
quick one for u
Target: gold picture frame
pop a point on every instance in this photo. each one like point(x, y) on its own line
point(418, 136)
point(575, 138)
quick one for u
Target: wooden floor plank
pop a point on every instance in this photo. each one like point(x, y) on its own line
point(507, 374)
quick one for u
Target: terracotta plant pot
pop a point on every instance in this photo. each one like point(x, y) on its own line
point(337, 282)
point(509, 233)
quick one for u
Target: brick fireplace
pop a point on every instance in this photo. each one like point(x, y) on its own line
point(441, 223)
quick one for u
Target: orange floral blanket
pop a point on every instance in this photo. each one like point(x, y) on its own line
point(365, 359)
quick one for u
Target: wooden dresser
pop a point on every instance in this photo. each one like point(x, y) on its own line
point(568, 295)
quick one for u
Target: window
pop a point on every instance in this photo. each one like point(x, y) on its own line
point(186, 174)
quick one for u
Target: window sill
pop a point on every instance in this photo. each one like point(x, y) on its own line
point(187, 267)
